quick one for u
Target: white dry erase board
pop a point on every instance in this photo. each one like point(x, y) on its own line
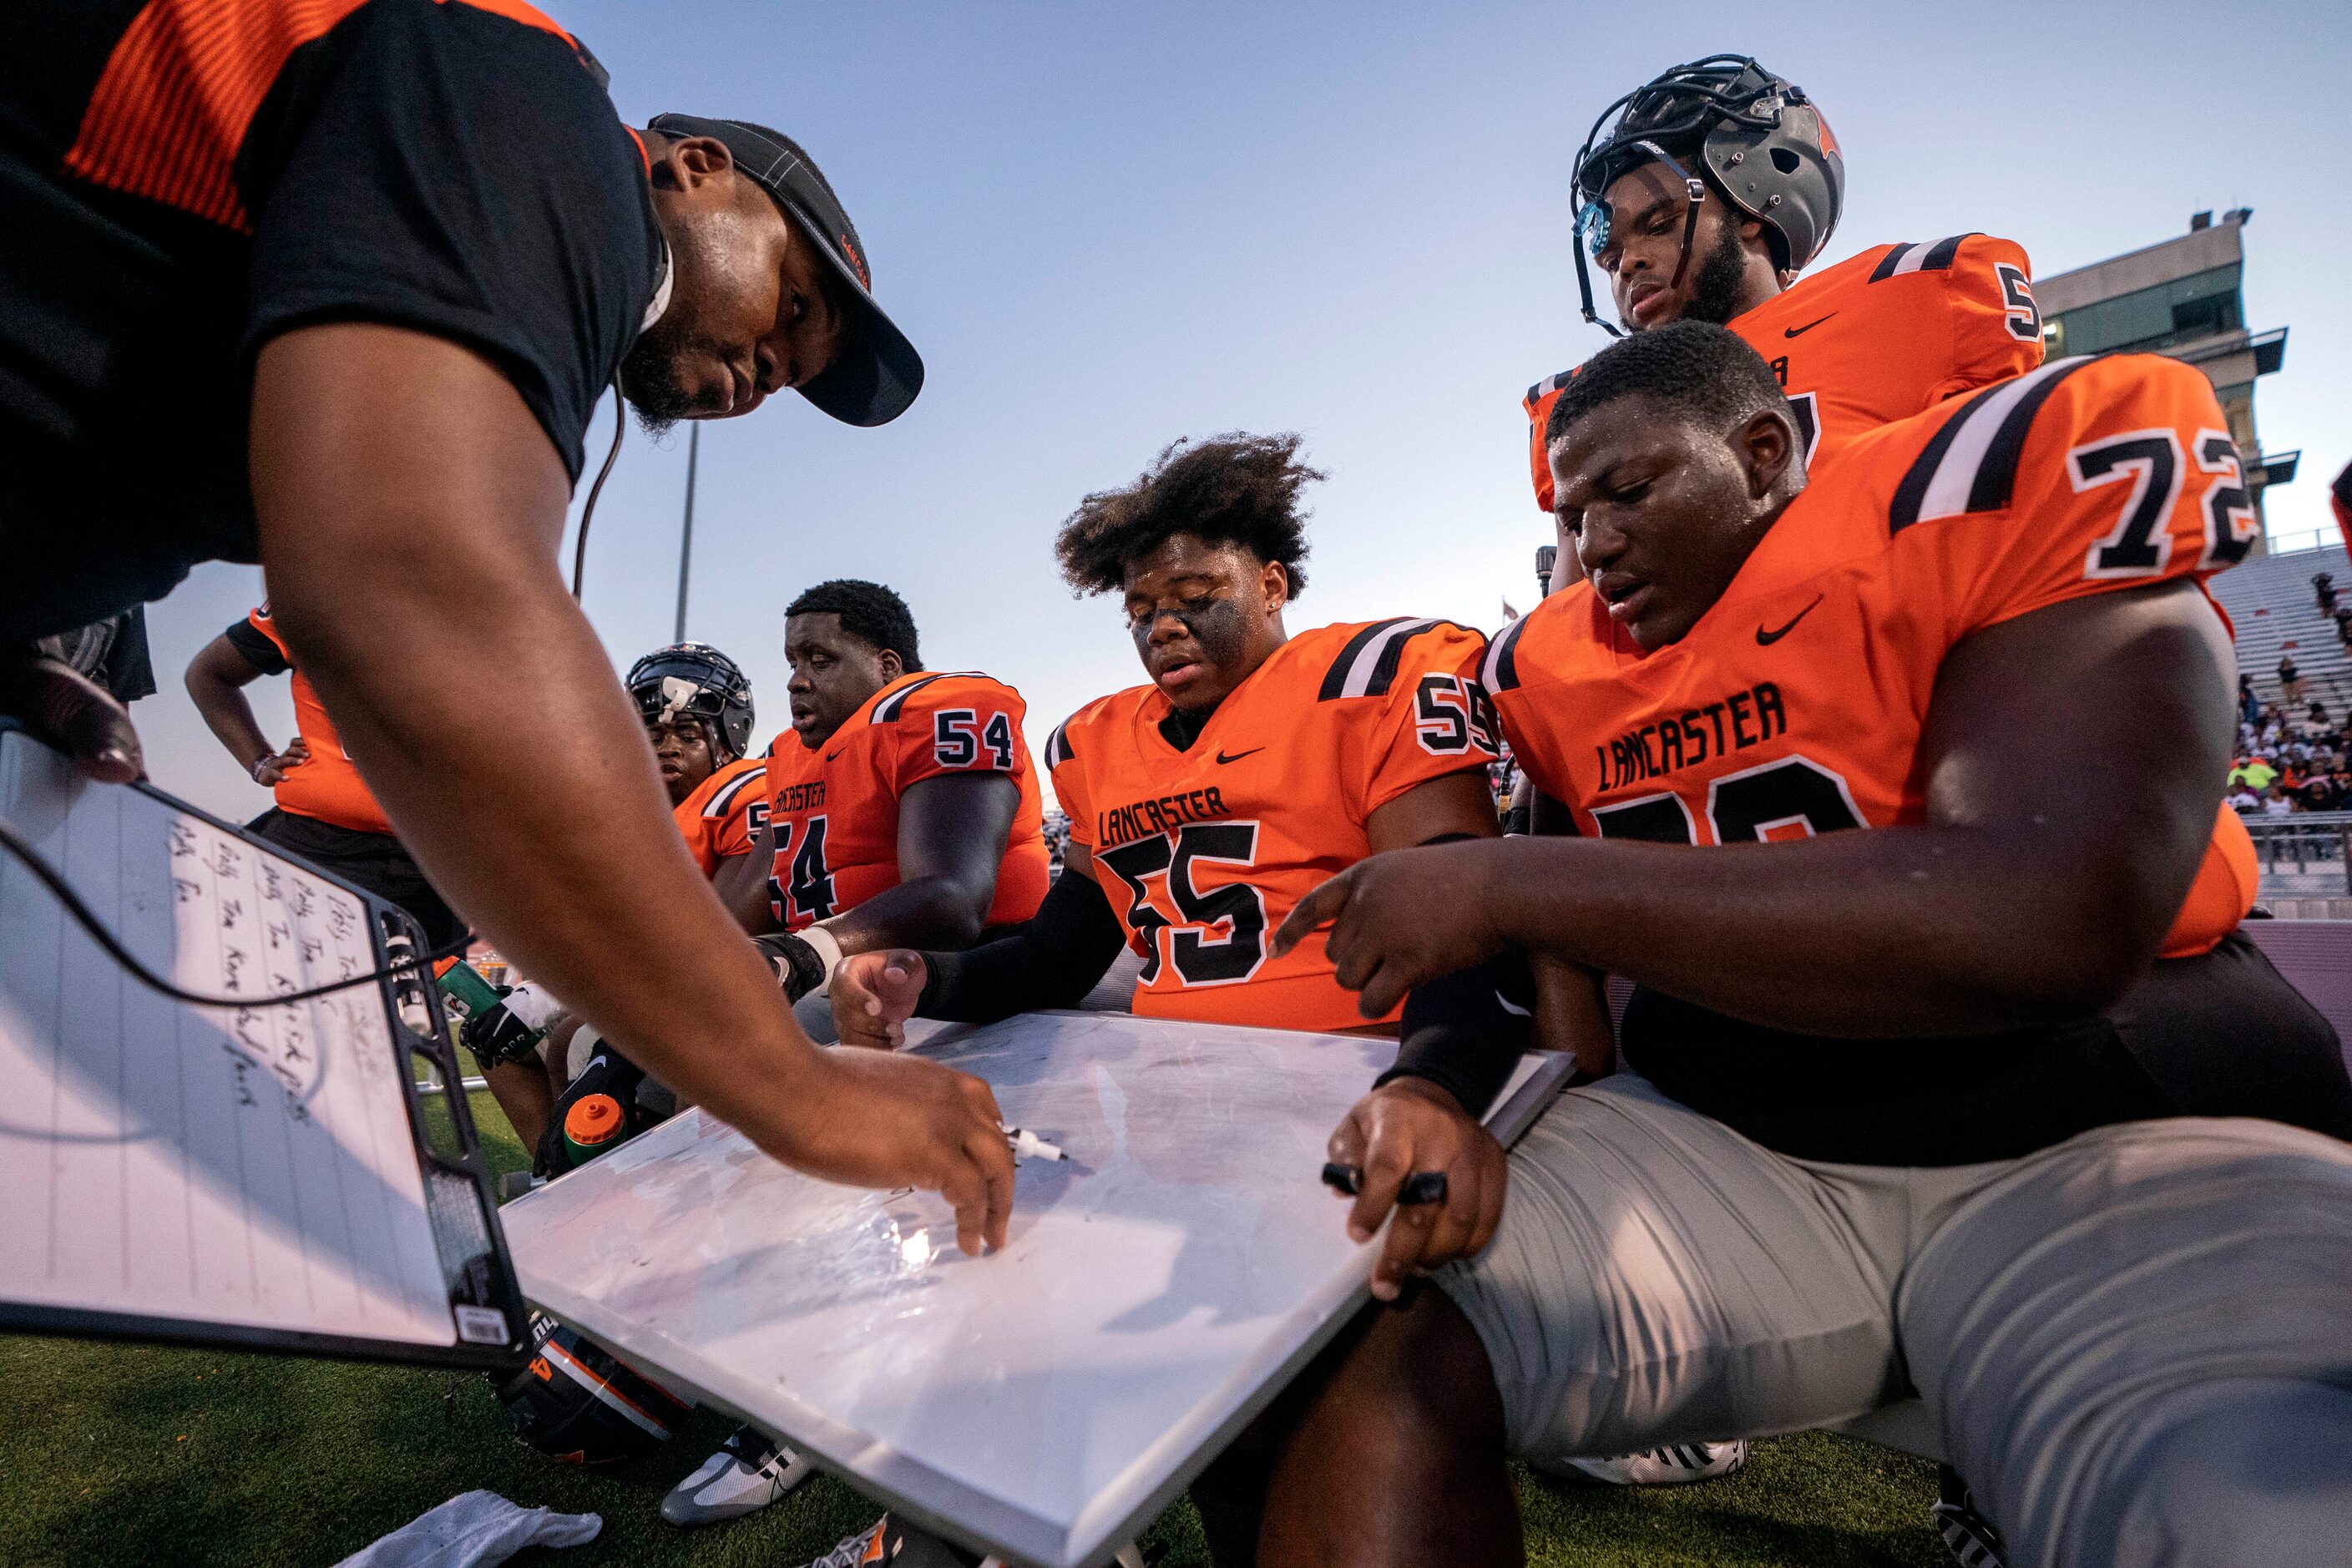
point(1156, 1289)
point(263, 1176)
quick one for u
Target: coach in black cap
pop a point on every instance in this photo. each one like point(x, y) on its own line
point(337, 290)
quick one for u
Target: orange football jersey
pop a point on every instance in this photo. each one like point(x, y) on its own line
point(328, 787)
point(1795, 705)
point(1203, 851)
point(1879, 337)
point(832, 810)
point(722, 815)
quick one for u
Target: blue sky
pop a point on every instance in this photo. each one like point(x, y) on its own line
point(1109, 226)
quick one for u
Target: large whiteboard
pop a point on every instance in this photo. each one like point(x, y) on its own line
point(1042, 1402)
point(247, 1174)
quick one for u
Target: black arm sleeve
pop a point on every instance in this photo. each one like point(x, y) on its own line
point(258, 650)
point(1466, 1032)
point(1051, 959)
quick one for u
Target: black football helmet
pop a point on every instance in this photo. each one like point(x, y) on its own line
point(1726, 122)
point(695, 679)
point(579, 1403)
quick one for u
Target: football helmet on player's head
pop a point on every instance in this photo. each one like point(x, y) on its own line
point(579, 1403)
point(1723, 122)
point(695, 679)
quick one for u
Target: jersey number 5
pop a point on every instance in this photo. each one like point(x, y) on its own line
point(1200, 958)
point(958, 735)
point(1451, 716)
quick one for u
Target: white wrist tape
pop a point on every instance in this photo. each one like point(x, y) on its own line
point(533, 1004)
point(828, 950)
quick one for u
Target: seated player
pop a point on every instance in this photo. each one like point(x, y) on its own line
point(1909, 1108)
point(1204, 802)
point(1719, 183)
point(697, 706)
point(901, 808)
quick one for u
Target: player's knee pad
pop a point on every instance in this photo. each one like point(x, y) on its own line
point(579, 1403)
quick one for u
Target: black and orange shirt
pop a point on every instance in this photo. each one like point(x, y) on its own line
point(1202, 851)
point(327, 787)
point(1879, 337)
point(1796, 705)
point(832, 810)
point(721, 817)
point(183, 180)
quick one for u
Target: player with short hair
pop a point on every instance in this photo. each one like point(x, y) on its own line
point(336, 287)
point(1919, 1108)
point(1206, 802)
point(901, 807)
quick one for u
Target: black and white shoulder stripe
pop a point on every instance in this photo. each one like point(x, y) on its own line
point(721, 803)
point(1500, 672)
point(1548, 386)
point(1932, 257)
point(1369, 663)
point(886, 712)
point(1057, 747)
point(1970, 465)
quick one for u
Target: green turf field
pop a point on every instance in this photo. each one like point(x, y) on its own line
point(120, 1455)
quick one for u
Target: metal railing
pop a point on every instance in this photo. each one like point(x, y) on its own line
point(2308, 844)
point(2302, 540)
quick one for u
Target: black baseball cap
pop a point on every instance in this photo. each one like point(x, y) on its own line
point(875, 372)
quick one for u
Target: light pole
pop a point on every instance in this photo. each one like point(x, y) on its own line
point(686, 539)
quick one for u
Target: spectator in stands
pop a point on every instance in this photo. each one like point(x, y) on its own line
point(2318, 792)
point(2243, 801)
point(2250, 707)
point(2323, 587)
point(2289, 679)
point(2254, 773)
point(2318, 714)
point(2343, 625)
point(2276, 802)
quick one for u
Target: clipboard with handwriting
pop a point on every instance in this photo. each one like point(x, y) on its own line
point(267, 1176)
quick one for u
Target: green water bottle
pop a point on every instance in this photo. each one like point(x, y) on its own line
point(463, 985)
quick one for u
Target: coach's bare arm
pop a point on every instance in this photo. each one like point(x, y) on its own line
point(410, 510)
point(2069, 762)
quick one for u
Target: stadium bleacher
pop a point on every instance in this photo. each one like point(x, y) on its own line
point(2270, 599)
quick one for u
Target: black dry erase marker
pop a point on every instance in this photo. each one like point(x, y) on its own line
point(1421, 1187)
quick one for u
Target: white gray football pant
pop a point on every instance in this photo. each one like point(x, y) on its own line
point(2136, 1345)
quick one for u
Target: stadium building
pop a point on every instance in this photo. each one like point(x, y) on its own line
point(2179, 297)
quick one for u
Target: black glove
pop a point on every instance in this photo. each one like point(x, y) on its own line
point(799, 969)
point(497, 1036)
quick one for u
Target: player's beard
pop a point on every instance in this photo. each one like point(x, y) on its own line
point(1716, 292)
point(650, 377)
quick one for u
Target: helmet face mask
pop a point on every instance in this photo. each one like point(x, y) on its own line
point(695, 681)
point(1754, 137)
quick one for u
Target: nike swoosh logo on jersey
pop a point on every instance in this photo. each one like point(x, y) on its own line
point(1765, 640)
point(1237, 756)
point(830, 755)
point(1800, 332)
